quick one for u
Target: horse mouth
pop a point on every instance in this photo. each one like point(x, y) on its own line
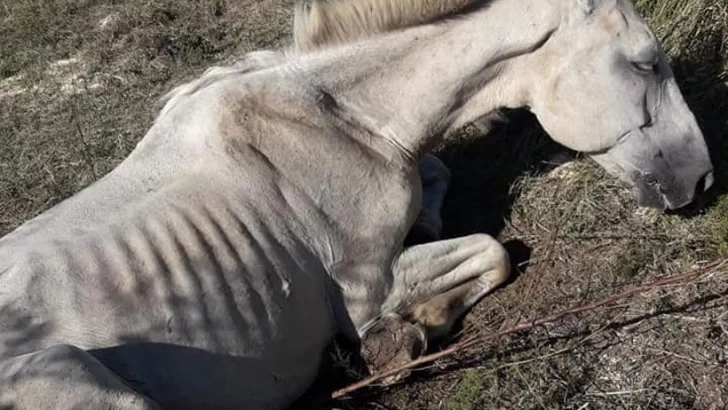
point(650, 199)
point(662, 194)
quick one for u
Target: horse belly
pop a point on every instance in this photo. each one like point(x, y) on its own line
point(260, 349)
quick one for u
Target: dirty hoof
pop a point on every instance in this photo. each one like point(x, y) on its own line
point(391, 343)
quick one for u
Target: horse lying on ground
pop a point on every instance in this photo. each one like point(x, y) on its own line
point(266, 209)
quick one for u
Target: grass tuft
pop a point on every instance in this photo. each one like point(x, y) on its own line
point(466, 395)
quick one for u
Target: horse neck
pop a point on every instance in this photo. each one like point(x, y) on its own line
point(415, 85)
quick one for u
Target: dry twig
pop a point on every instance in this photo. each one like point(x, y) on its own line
point(480, 339)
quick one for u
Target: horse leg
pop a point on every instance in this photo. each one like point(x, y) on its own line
point(438, 314)
point(64, 377)
point(434, 284)
point(425, 271)
point(435, 178)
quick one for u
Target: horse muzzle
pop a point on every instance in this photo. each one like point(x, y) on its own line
point(665, 193)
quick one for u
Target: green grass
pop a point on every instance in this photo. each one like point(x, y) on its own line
point(580, 235)
point(466, 395)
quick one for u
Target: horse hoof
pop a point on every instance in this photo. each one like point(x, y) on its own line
point(390, 344)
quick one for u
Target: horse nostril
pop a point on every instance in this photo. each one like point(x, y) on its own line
point(706, 182)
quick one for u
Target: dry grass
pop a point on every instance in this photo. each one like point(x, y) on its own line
point(76, 96)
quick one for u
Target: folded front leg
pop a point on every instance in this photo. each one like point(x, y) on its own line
point(437, 282)
point(434, 284)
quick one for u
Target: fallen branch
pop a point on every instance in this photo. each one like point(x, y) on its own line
point(480, 339)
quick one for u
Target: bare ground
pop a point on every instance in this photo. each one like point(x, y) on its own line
point(79, 82)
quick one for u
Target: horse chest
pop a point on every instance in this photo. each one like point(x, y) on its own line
point(381, 208)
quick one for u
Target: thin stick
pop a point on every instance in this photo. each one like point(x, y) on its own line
point(476, 340)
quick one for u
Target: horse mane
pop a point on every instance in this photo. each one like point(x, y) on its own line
point(323, 23)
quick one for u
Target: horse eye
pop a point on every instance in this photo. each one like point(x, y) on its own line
point(645, 68)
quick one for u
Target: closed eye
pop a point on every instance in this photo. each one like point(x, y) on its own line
point(645, 68)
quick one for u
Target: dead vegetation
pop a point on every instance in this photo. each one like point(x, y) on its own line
point(76, 96)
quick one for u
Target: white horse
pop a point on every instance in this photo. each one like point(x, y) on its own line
point(266, 209)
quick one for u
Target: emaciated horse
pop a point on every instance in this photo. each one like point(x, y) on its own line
point(265, 210)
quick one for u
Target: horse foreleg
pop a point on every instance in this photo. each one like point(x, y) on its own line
point(434, 284)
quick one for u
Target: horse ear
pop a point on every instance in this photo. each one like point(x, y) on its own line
point(587, 5)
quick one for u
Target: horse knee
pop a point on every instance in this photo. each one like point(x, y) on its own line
point(491, 263)
point(495, 260)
